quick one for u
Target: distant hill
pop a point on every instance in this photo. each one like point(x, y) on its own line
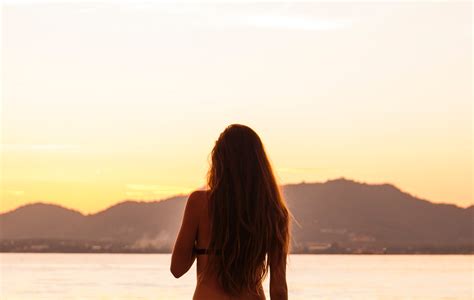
point(343, 210)
point(128, 221)
point(337, 211)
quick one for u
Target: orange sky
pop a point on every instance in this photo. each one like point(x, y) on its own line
point(113, 101)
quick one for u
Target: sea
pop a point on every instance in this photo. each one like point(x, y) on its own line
point(62, 276)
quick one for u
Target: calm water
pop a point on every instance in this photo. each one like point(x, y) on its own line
point(147, 276)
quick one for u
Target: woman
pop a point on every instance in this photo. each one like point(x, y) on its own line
point(239, 228)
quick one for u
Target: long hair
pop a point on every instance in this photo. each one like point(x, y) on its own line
point(249, 217)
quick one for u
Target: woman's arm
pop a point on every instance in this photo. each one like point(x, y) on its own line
point(183, 256)
point(278, 286)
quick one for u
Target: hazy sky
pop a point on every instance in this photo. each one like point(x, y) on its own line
point(103, 102)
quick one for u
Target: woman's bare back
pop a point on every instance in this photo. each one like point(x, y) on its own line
point(208, 288)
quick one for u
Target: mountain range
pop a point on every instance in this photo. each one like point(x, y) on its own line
point(337, 212)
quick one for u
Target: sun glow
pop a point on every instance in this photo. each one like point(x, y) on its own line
point(102, 103)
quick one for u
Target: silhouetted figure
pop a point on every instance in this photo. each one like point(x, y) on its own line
point(239, 228)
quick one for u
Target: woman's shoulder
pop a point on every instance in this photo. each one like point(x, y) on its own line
point(197, 202)
point(198, 197)
point(199, 194)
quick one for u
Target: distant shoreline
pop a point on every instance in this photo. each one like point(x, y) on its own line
point(331, 254)
point(81, 246)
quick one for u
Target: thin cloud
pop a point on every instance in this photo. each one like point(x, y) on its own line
point(216, 15)
point(295, 22)
point(37, 147)
point(153, 190)
point(311, 170)
point(16, 193)
point(299, 170)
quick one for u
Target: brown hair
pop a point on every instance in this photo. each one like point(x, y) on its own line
point(249, 217)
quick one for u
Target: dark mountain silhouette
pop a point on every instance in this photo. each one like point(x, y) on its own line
point(344, 210)
point(128, 221)
point(40, 220)
point(337, 211)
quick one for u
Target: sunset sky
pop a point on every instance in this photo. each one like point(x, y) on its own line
point(115, 100)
